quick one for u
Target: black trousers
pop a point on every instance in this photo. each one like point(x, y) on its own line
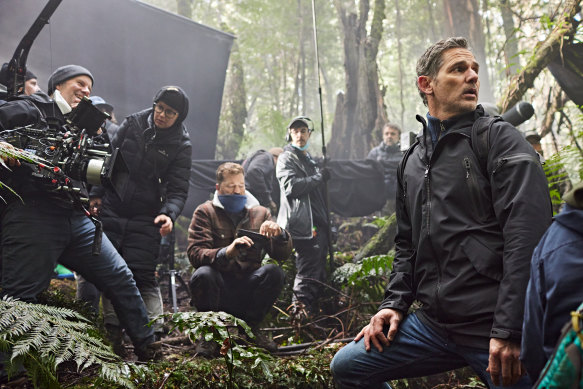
point(311, 257)
point(247, 296)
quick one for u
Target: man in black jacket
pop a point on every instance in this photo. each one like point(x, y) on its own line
point(156, 146)
point(389, 154)
point(260, 177)
point(303, 213)
point(47, 226)
point(465, 235)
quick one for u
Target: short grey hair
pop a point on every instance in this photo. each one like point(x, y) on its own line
point(432, 60)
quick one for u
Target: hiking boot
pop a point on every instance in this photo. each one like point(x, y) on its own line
point(145, 352)
point(264, 341)
point(115, 337)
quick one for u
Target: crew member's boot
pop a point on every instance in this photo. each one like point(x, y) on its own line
point(115, 337)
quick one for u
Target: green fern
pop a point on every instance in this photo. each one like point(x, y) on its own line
point(222, 328)
point(41, 337)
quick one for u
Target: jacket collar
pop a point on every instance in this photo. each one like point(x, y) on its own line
point(145, 120)
point(460, 124)
point(252, 202)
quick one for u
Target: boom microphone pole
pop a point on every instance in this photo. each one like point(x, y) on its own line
point(17, 65)
point(326, 196)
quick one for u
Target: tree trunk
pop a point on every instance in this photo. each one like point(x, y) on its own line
point(542, 56)
point(400, 59)
point(556, 103)
point(381, 242)
point(511, 46)
point(233, 110)
point(363, 110)
point(463, 19)
point(184, 8)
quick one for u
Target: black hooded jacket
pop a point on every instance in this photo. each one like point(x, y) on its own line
point(464, 240)
point(159, 169)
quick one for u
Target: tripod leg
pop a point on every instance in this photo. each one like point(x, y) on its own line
point(184, 284)
point(173, 290)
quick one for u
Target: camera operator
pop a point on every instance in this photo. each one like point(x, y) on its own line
point(48, 227)
point(157, 148)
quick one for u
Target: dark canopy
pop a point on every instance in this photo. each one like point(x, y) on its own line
point(132, 49)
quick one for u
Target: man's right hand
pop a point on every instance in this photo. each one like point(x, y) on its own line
point(373, 332)
point(95, 206)
point(12, 162)
point(240, 243)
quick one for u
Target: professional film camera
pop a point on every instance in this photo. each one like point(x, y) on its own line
point(73, 151)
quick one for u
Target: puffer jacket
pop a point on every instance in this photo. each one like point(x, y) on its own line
point(464, 240)
point(296, 184)
point(159, 168)
point(212, 230)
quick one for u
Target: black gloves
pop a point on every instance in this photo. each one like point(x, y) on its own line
point(325, 172)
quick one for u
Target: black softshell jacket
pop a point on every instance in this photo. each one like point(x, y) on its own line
point(465, 237)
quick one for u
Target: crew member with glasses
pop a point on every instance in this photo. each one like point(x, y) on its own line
point(156, 147)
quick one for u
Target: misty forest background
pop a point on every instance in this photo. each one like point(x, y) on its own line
point(368, 50)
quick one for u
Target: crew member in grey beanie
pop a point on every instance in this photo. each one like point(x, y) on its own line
point(64, 73)
point(175, 97)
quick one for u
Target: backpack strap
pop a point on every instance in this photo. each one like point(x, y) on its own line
point(401, 170)
point(480, 140)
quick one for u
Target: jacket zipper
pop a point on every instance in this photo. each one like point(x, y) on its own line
point(428, 190)
point(428, 194)
point(512, 159)
point(473, 188)
point(428, 220)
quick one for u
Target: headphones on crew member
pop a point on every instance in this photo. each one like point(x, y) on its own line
point(306, 120)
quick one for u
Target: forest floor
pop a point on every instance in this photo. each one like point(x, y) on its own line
point(305, 347)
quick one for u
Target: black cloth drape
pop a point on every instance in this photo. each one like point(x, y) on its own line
point(355, 189)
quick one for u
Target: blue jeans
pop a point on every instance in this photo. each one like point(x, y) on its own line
point(416, 351)
point(39, 234)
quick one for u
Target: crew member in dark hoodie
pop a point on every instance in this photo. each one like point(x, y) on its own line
point(157, 149)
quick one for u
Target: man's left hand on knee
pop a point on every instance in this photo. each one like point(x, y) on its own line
point(504, 361)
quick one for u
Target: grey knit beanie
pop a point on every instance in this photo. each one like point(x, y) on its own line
point(65, 73)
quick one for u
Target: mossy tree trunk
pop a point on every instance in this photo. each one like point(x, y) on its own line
point(544, 53)
point(381, 242)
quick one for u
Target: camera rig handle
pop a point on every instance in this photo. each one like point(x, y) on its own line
point(17, 65)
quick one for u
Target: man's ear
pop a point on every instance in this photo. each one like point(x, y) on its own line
point(424, 83)
point(216, 186)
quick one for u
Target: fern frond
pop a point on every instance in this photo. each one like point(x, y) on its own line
point(42, 337)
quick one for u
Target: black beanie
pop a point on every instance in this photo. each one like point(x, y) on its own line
point(176, 98)
point(4, 74)
point(30, 75)
point(65, 73)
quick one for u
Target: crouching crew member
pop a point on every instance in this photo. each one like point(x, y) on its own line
point(229, 276)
